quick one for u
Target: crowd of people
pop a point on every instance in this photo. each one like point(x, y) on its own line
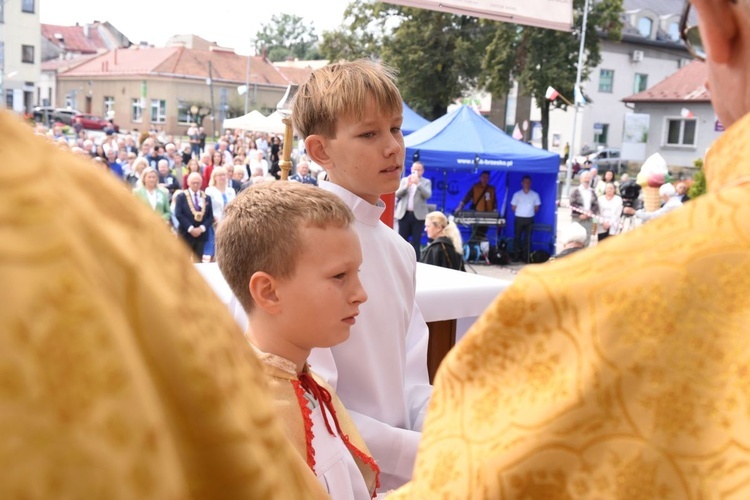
point(158, 168)
point(123, 376)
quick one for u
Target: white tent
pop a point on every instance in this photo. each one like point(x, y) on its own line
point(254, 121)
point(275, 125)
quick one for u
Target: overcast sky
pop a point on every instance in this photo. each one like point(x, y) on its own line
point(230, 23)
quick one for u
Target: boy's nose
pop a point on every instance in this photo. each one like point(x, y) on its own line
point(360, 295)
point(394, 146)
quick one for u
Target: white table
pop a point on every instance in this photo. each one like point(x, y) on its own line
point(450, 302)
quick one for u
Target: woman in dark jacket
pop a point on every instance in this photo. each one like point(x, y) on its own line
point(445, 248)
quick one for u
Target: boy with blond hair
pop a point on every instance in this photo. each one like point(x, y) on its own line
point(350, 115)
point(294, 306)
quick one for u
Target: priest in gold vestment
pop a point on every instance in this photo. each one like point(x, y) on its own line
point(121, 374)
point(621, 372)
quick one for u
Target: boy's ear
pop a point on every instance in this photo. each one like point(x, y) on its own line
point(263, 291)
point(316, 147)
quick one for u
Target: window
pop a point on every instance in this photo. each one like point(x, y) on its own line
point(641, 83)
point(109, 106)
point(645, 24)
point(601, 131)
point(27, 6)
point(606, 80)
point(27, 54)
point(9, 98)
point(183, 113)
point(71, 100)
point(681, 132)
point(136, 110)
point(2, 12)
point(674, 32)
point(158, 111)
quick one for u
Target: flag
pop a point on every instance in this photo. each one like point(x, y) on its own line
point(517, 135)
point(686, 113)
point(579, 97)
point(551, 94)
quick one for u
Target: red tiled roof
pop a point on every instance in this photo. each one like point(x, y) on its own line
point(296, 75)
point(688, 84)
point(122, 62)
point(180, 61)
point(226, 65)
point(64, 64)
point(74, 39)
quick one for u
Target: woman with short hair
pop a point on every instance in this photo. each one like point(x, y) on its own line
point(153, 195)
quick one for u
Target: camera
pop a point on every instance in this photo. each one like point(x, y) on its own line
point(629, 192)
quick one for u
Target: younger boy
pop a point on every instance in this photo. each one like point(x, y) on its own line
point(350, 114)
point(295, 305)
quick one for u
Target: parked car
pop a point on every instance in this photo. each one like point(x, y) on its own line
point(604, 159)
point(65, 115)
point(93, 122)
point(43, 113)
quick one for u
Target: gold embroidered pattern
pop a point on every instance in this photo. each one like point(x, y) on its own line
point(120, 376)
point(622, 372)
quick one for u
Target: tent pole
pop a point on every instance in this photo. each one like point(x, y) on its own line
point(576, 90)
point(445, 188)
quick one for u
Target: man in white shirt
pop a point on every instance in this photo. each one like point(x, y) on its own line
point(262, 143)
point(525, 204)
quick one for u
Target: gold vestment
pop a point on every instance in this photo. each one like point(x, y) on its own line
point(621, 372)
point(121, 374)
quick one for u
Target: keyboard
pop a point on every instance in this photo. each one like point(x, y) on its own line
point(469, 217)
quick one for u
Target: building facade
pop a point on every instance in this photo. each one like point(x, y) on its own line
point(170, 88)
point(20, 54)
point(681, 120)
point(649, 52)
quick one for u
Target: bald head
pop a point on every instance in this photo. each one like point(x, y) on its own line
point(303, 168)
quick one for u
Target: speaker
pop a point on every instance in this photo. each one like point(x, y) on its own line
point(538, 256)
point(499, 256)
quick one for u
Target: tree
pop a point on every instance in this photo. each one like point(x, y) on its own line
point(699, 180)
point(287, 35)
point(441, 57)
point(435, 53)
point(354, 39)
point(538, 58)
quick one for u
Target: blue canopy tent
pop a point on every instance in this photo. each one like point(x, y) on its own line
point(412, 121)
point(458, 146)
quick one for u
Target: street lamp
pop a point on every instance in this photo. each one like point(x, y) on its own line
point(284, 107)
point(577, 88)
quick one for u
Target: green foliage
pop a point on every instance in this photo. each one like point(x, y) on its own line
point(435, 53)
point(539, 58)
point(357, 38)
point(441, 57)
point(440, 62)
point(287, 35)
point(699, 181)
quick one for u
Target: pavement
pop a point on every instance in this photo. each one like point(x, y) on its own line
point(510, 271)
